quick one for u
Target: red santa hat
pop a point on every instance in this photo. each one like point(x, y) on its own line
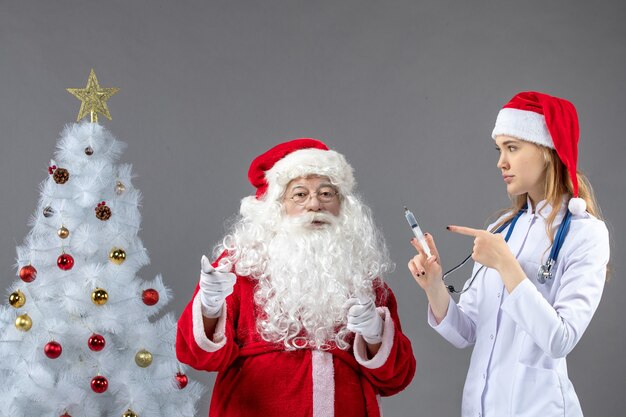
point(271, 171)
point(547, 121)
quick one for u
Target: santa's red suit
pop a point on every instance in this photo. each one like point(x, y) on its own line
point(258, 378)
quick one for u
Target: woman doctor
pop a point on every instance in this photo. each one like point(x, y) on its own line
point(539, 269)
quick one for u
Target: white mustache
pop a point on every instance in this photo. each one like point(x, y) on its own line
point(308, 218)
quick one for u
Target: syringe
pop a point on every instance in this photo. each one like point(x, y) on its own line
point(417, 231)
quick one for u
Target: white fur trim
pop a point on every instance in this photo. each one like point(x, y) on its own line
point(523, 124)
point(306, 162)
point(360, 346)
point(219, 337)
point(577, 206)
point(323, 384)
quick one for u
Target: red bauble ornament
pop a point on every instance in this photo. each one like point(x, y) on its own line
point(65, 415)
point(96, 342)
point(181, 380)
point(28, 273)
point(53, 349)
point(65, 262)
point(150, 296)
point(99, 384)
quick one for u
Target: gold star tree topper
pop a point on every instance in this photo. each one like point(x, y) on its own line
point(93, 99)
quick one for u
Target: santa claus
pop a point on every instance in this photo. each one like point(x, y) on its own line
point(294, 314)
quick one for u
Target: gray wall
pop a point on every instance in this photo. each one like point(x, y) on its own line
point(408, 90)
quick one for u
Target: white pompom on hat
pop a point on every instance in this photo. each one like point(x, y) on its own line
point(548, 121)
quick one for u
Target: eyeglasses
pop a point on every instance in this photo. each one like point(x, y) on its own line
point(324, 196)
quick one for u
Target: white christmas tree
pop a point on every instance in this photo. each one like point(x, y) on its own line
point(77, 339)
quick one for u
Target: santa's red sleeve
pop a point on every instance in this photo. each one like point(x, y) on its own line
point(195, 348)
point(393, 366)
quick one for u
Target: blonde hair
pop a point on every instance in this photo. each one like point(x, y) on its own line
point(557, 184)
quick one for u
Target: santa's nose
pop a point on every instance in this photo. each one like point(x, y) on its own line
point(313, 204)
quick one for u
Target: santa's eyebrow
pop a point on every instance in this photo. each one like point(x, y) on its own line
point(326, 184)
point(293, 187)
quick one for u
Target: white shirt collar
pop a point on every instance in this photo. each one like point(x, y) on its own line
point(544, 208)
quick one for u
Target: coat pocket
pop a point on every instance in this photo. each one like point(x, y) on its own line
point(537, 392)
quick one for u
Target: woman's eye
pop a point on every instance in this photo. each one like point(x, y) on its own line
point(299, 195)
point(512, 148)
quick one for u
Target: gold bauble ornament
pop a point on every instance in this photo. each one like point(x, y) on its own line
point(63, 232)
point(119, 187)
point(23, 322)
point(143, 358)
point(17, 299)
point(99, 296)
point(129, 413)
point(117, 256)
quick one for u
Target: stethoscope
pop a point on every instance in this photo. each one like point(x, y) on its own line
point(545, 271)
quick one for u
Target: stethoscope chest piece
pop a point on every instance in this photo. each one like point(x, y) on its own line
point(545, 271)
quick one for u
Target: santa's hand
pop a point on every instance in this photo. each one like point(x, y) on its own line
point(215, 286)
point(364, 319)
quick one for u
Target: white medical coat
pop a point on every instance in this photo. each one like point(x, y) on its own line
point(518, 366)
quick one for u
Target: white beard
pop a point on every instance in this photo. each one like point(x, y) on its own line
point(306, 273)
